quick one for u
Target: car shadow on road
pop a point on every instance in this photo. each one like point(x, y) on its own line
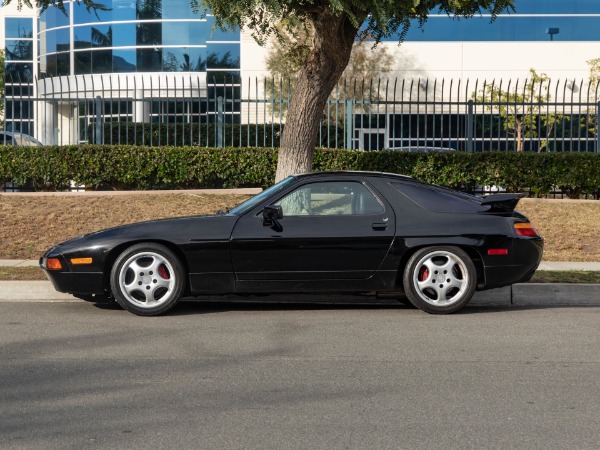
point(211, 307)
point(192, 306)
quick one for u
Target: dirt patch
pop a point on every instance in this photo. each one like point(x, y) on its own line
point(29, 225)
point(571, 229)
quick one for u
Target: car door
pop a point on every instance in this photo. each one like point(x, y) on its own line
point(339, 229)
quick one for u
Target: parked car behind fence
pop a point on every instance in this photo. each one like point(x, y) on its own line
point(15, 138)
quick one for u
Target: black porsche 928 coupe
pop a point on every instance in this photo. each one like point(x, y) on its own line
point(321, 232)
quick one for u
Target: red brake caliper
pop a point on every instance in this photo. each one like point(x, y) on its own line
point(163, 272)
point(423, 273)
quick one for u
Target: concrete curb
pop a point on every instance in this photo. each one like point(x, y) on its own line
point(526, 294)
point(24, 291)
point(540, 294)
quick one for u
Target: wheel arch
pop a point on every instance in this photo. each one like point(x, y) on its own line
point(114, 253)
point(468, 249)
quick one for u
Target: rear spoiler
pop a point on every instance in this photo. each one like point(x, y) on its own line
point(502, 202)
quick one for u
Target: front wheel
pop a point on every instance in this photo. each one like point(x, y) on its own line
point(147, 279)
point(440, 280)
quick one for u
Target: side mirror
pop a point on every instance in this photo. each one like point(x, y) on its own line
point(271, 215)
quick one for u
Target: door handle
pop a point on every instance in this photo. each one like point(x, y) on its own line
point(380, 226)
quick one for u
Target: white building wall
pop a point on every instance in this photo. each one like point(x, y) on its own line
point(561, 61)
point(253, 67)
point(493, 60)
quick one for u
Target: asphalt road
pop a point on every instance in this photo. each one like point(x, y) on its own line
point(74, 375)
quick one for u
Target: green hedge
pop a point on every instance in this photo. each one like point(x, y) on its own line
point(129, 167)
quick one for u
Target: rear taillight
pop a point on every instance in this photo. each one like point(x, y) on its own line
point(526, 229)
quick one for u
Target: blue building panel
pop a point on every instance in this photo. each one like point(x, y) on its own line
point(532, 20)
point(505, 29)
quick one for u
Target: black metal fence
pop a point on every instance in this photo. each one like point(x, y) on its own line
point(397, 114)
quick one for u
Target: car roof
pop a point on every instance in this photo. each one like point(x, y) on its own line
point(396, 178)
point(22, 137)
point(355, 173)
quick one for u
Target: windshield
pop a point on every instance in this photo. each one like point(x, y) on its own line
point(253, 201)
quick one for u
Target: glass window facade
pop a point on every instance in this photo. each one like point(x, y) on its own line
point(16, 28)
point(140, 36)
point(18, 73)
point(184, 60)
point(223, 56)
point(19, 50)
point(573, 20)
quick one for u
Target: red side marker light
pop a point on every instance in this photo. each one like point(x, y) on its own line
point(497, 251)
point(53, 264)
point(525, 229)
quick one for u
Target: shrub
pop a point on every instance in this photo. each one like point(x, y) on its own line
point(139, 167)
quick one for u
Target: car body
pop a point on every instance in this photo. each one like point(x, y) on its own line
point(312, 233)
point(422, 149)
point(20, 139)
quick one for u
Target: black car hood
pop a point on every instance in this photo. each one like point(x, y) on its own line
point(179, 229)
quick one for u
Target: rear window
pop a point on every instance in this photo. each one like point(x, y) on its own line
point(440, 199)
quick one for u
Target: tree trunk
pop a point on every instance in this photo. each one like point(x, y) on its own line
point(334, 36)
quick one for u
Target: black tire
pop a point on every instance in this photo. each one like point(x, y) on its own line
point(147, 279)
point(440, 280)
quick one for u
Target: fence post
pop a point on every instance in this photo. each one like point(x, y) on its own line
point(470, 118)
point(349, 125)
point(598, 127)
point(99, 132)
point(220, 127)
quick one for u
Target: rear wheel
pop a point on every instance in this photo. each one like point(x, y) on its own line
point(147, 279)
point(440, 280)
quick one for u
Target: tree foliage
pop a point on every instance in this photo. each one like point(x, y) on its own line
point(91, 5)
point(594, 67)
point(336, 24)
point(376, 19)
point(522, 109)
point(286, 57)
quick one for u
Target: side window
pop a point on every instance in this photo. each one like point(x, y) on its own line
point(332, 198)
point(6, 140)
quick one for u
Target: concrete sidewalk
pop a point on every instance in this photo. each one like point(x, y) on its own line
point(525, 294)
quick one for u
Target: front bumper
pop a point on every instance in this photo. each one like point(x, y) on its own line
point(71, 282)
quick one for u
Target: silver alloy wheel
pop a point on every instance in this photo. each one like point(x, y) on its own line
point(440, 278)
point(147, 279)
